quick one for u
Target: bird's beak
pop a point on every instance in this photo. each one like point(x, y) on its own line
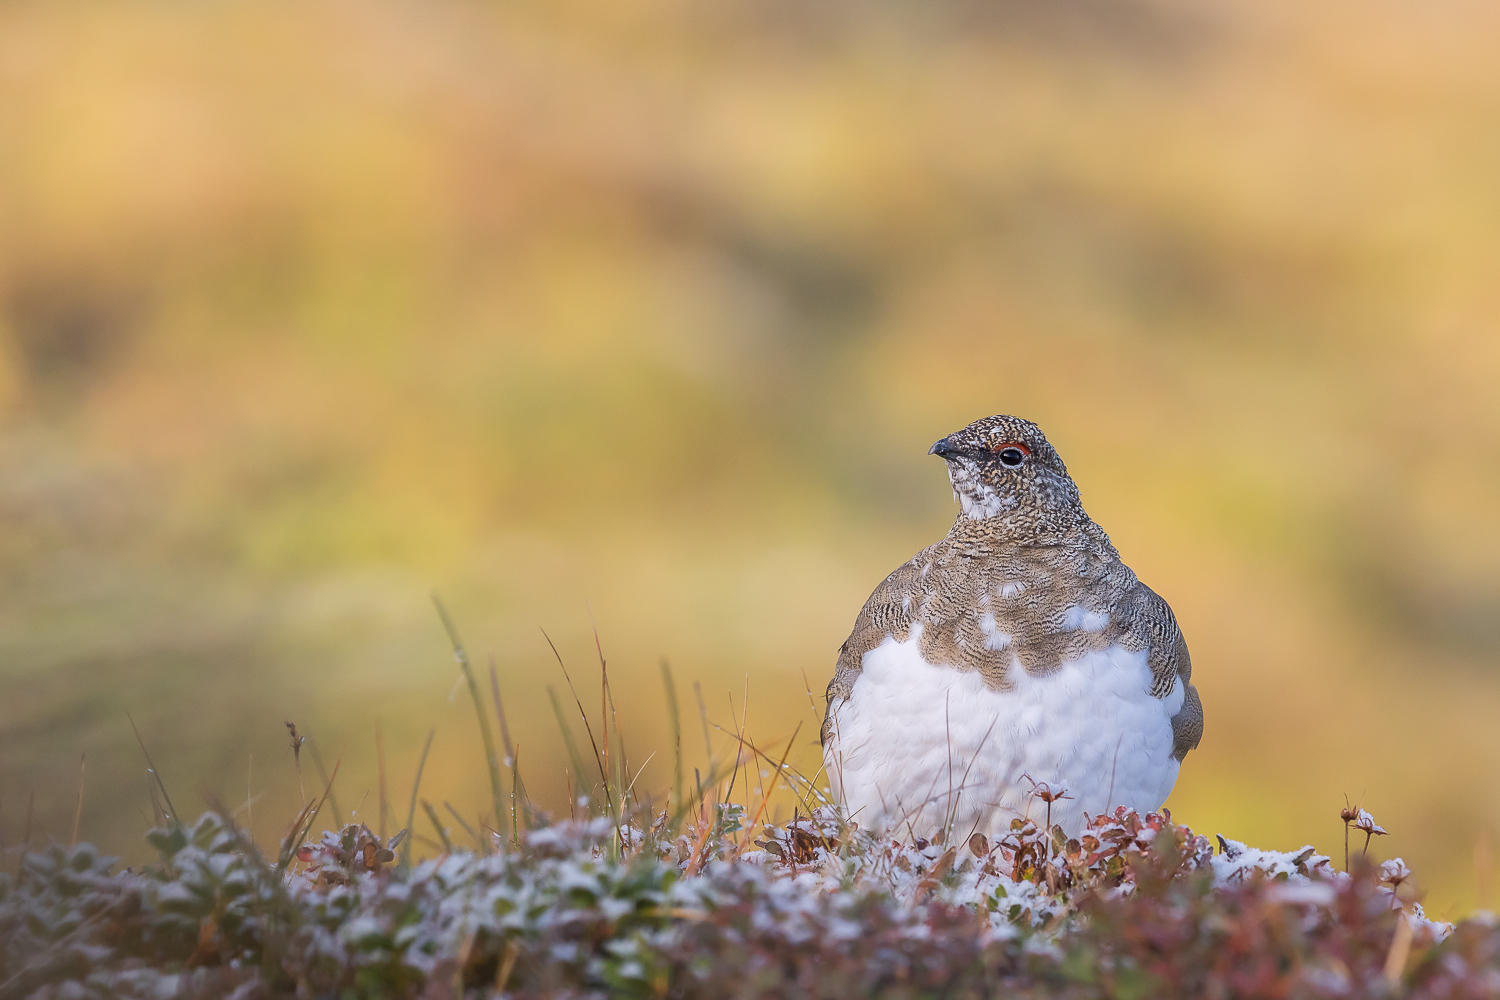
point(943, 448)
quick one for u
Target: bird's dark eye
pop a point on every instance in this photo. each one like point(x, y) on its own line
point(1012, 453)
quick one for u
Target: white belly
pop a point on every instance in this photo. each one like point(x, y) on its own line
point(916, 746)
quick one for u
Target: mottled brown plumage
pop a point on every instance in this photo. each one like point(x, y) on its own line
point(1022, 560)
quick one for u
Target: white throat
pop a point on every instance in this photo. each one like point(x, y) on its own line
point(977, 499)
point(987, 505)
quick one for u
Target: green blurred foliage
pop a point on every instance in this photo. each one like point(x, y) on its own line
point(652, 309)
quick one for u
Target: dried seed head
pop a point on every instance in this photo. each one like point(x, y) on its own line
point(1048, 792)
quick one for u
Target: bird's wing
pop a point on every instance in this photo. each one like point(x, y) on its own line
point(889, 611)
point(1153, 626)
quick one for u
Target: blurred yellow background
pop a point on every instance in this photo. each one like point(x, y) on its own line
point(307, 309)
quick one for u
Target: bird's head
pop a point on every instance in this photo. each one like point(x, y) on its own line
point(1003, 468)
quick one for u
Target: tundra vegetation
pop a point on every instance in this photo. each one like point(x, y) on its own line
point(698, 891)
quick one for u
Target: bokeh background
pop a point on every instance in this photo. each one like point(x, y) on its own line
point(648, 312)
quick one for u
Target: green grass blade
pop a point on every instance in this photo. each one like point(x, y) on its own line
point(567, 735)
point(411, 812)
point(304, 824)
point(587, 728)
point(517, 791)
point(510, 753)
point(333, 800)
point(171, 809)
point(491, 758)
point(708, 744)
point(437, 825)
point(478, 842)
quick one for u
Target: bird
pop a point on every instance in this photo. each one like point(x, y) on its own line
point(1016, 669)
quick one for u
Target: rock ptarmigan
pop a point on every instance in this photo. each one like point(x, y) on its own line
point(1018, 655)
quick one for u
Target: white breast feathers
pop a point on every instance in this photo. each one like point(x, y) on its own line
point(918, 747)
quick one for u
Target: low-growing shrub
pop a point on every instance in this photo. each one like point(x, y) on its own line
point(1136, 907)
